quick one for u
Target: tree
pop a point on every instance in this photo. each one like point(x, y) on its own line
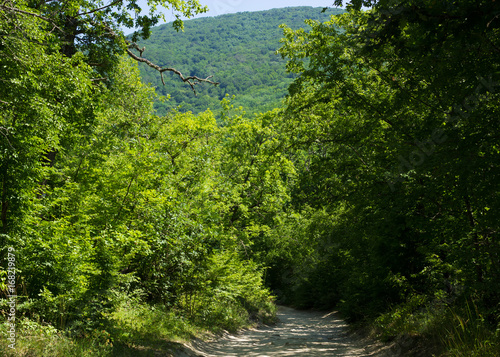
point(397, 113)
point(54, 55)
point(94, 28)
point(44, 97)
point(64, 87)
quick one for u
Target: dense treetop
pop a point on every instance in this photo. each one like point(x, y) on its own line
point(239, 50)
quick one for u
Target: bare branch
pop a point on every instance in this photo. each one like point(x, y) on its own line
point(134, 45)
point(489, 23)
point(2, 129)
point(191, 80)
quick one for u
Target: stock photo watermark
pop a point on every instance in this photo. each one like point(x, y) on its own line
point(220, 7)
point(427, 147)
point(11, 296)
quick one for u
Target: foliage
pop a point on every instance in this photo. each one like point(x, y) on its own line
point(373, 190)
point(42, 340)
point(239, 50)
point(470, 334)
point(392, 120)
point(100, 195)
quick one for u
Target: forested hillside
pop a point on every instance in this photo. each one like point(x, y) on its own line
point(372, 189)
point(238, 50)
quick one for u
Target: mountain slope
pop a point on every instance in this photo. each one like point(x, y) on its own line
point(237, 49)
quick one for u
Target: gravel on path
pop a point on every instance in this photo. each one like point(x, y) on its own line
point(298, 333)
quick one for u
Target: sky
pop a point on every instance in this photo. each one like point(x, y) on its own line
point(220, 7)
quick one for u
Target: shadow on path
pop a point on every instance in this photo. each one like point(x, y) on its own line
point(298, 333)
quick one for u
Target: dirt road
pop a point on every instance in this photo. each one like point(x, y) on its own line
point(298, 333)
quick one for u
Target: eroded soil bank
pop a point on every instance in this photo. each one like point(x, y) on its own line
point(298, 333)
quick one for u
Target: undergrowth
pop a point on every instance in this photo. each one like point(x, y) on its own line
point(135, 328)
point(441, 329)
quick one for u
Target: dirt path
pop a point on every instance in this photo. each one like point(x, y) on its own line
point(298, 333)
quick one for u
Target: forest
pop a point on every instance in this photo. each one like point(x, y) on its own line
point(239, 50)
point(357, 169)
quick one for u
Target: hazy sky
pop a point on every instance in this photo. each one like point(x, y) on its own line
point(220, 7)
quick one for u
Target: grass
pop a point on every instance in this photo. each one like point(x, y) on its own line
point(135, 329)
point(468, 334)
point(33, 339)
point(439, 329)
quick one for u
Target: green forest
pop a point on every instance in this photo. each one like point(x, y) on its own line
point(347, 159)
point(238, 50)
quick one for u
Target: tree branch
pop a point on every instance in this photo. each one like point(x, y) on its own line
point(99, 9)
point(191, 80)
point(6, 135)
point(125, 197)
point(134, 45)
point(13, 9)
point(489, 23)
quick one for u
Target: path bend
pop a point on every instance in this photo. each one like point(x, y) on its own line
point(298, 333)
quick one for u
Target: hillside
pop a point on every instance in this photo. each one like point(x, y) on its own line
point(239, 50)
